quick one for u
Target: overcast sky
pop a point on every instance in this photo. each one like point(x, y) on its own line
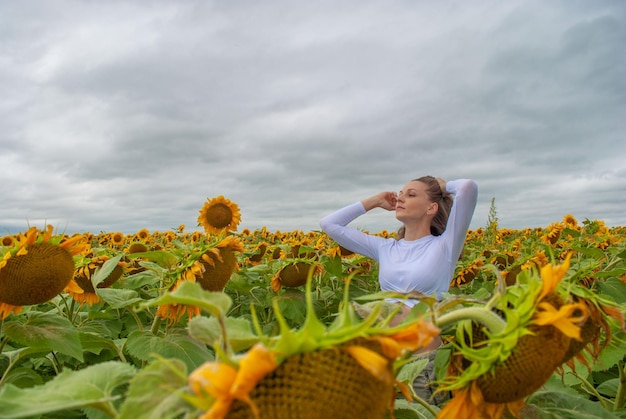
point(122, 115)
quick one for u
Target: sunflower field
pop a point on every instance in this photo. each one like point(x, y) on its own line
point(222, 323)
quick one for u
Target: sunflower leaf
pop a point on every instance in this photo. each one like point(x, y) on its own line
point(403, 409)
point(176, 344)
point(191, 293)
point(118, 298)
point(92, 386)
point(152, 393)
point(23, 377)
point(553, 404)
point(160, 257)
point(95, 344)
point(614, 288)
point(207, 330)
point(46, 331)
point(105, 270)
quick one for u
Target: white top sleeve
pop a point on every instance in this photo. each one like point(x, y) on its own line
point(355, 240)
point(465, 193)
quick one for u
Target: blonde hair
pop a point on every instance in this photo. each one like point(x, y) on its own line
point(444, 203)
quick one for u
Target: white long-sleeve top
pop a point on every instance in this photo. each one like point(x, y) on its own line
point(425, 265)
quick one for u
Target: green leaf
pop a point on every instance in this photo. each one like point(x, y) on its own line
point(293, 306)
point(609, 387)
point(160, 257)
point(239, 332)
point(46, 331)
point(591, 252)
point(95, 343)
point(23, 377)
point(410, 371)
point(557, 405)
point(176, 344)
point(614, 288)
point(104, 271)
point(610, 356)
point(333, 265)
point(191, 293)
point(89, 387)
point(139, 279)
point(403, 409)
point(118, 298)
point(153, 392)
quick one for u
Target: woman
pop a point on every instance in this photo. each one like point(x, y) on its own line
point(429, 243)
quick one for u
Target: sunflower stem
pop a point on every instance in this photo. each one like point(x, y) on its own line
point(592, 390)
point(425, 404)
point(620, 398)
point(156, 324)
point(137, 320)
point(7, 370)
point(483, 315)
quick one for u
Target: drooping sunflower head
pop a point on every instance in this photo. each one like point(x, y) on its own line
point(544, 325)
point(175, 312)
point(36, 268)
point(210, 264)
point(293, 273)
point(344, 370)
point(219, 214)
point(220, 261)
point(137, 247)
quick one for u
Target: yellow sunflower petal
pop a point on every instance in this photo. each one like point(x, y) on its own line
point(562, 318)
point(552, 275)
point(258, 362)
point(417, 335)
point(214, 379)
point(376, 364)
point(7, 309)
point(462, 405)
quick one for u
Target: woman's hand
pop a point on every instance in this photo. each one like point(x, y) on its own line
point(384, 200)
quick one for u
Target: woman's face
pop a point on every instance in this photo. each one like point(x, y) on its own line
point(413, 202)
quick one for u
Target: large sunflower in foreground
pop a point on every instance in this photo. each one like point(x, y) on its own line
point(219, 214)
point(345, 370)
point(36, 268)
point(545, 324)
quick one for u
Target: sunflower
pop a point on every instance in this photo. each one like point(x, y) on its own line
point(553, 233)
point(570, 221)
point(468, 273)
point(143, 235)
point(36, 268)
point(137, 247)
point(544, 326)
point(219, 263)
point(211, 266)
point(219, 214)
point(7, 241)
point(117, 238)
point(344, 370)
point(259, 252)
point(174, 312)
point(293, 274)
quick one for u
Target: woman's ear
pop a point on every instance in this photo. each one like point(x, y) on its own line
point(432, 208)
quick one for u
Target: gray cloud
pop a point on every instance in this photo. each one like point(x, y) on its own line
point(119, 116)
